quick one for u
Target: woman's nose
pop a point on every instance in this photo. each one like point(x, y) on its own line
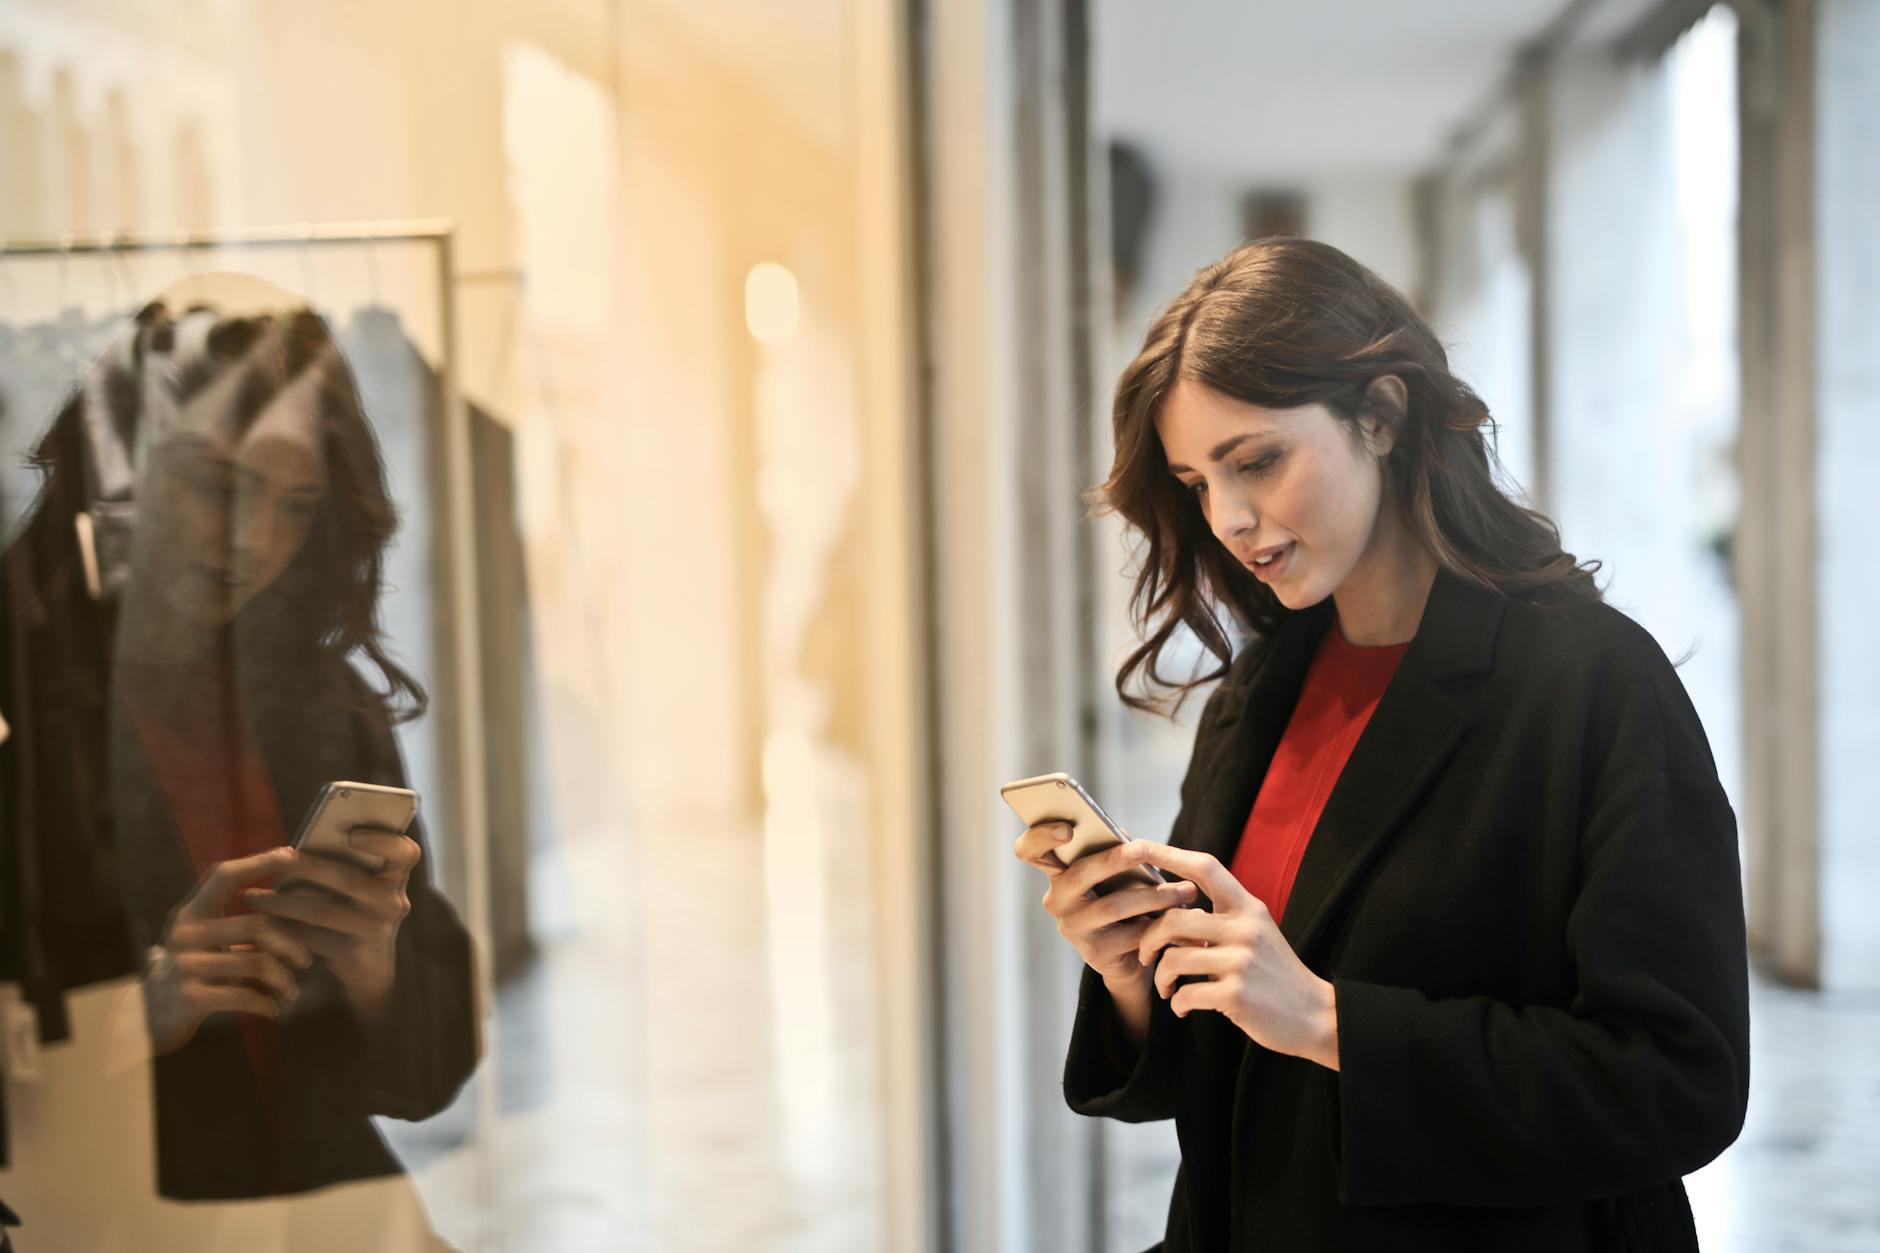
point(254, 529)
point(1232, 519)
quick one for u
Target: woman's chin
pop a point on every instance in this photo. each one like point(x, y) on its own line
point(188, 609)
point(1287, 592)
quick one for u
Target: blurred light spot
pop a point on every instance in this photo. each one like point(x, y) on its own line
point(770, 306)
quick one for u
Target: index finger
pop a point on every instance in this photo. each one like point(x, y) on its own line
point(1203, 869)
point(254, 930)
point(399, 852)
point(1093, 868)
point(1039, 843)
point(211, 897)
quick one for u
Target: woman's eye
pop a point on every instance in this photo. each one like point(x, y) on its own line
point(209, 484)
point(1198, 487)
point(1259, 467)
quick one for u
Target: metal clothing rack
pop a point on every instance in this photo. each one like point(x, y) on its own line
point(465, 730)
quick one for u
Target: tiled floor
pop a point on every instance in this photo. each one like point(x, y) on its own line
point(1804, 1177)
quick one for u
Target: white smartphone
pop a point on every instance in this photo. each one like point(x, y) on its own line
point(342, 806)
point(1060, 798)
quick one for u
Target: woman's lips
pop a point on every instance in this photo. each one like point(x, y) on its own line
point(220, 578)
point(1274, 568)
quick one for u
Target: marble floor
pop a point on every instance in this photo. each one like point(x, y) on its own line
point(1804, 1176)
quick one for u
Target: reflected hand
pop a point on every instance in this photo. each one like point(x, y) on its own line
point(212, 962)
point(353, 924)
point(1247, 968)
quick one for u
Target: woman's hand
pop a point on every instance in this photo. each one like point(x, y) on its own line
point(212, 962)
point(1105, 930)
point(1250, 972)
point(353, 924)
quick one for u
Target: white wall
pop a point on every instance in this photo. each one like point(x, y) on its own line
point(1848, 457)
point(1642, 405)
point(1483, 314)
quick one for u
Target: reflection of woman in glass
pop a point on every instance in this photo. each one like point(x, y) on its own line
point(182, 712)
point(1454, 953)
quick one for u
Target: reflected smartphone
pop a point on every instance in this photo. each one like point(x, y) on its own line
point(1060, 798)
point(342, 806)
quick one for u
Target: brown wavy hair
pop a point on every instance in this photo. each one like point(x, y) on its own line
point(1284, 322)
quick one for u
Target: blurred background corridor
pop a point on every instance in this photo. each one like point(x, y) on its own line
point(736, 368)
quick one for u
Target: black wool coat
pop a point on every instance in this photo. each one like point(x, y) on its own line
point(1525, 891)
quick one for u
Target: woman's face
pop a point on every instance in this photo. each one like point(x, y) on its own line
point(1285, 481)
point(229, 511)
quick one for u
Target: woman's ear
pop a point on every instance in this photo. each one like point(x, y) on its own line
point(1386, 401)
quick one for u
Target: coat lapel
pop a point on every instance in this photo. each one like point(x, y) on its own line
point(1413, 731)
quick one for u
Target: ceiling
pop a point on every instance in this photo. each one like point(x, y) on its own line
point(1237, 88)
point(1291, 89)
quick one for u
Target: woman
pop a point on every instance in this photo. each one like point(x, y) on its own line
point(188, 597)
point(1453, 953)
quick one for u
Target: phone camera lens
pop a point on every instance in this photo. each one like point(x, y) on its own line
point(344, 793)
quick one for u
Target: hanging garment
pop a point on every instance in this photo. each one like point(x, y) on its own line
point(41, 364)
point(404, 395)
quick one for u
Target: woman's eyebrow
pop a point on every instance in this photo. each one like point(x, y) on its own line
point(1221, 449)
point(254, 477)
point(191, 444)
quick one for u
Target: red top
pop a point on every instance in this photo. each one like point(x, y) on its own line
point(215, 782)
point(219, 790)
point(1342, 687)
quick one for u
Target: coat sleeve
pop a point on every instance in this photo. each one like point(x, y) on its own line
point(411, 1064)
point(1642, 1078)
point(420, 1054)
point(1100, 1079)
